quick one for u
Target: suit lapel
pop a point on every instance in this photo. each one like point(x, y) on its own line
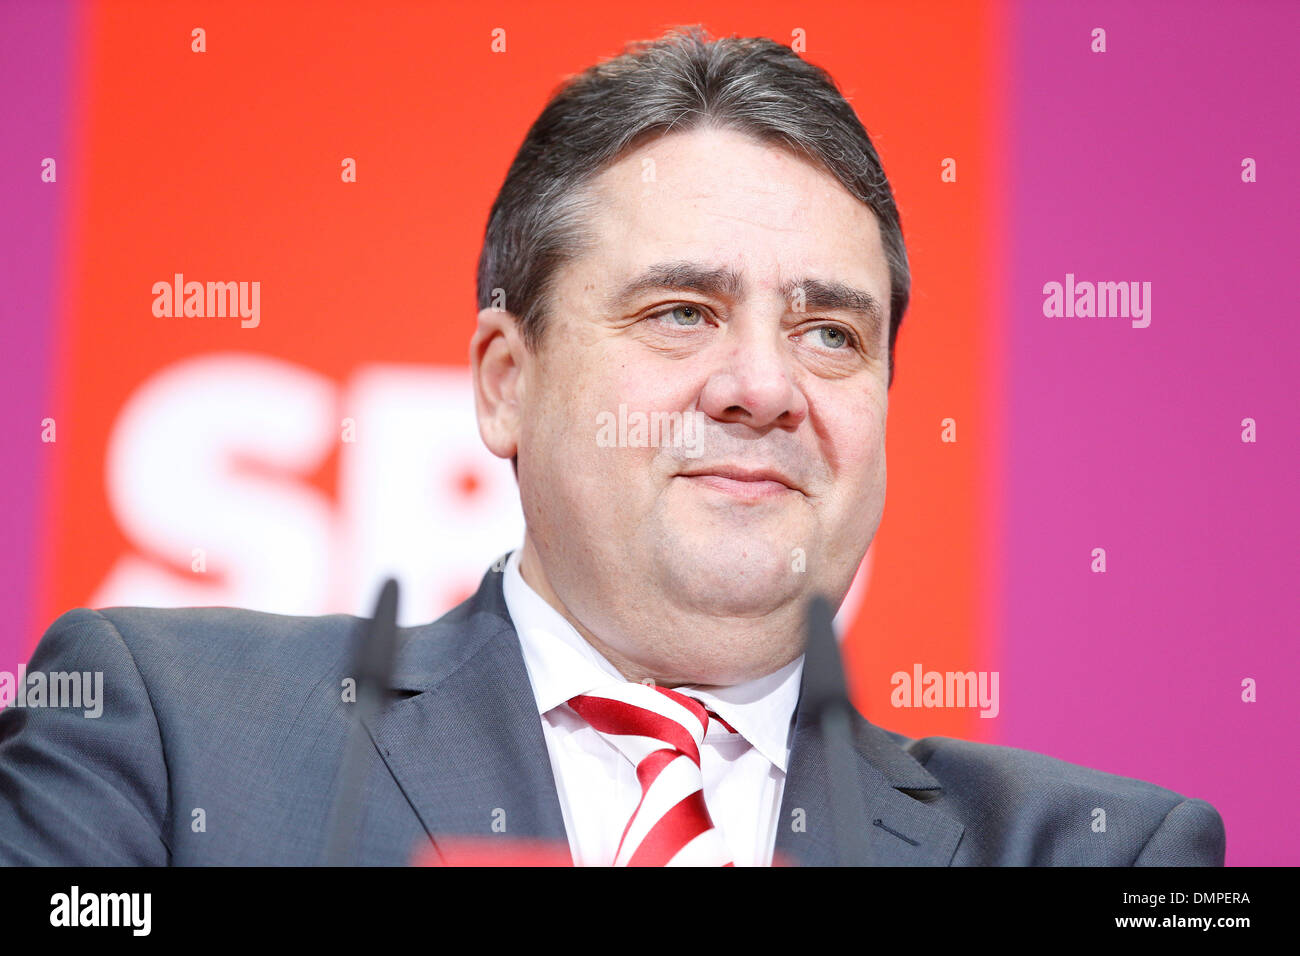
point(465, 742)
point(901, 830)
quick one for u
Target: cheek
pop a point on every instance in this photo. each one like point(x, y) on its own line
point(854, 436)
point(563, 396)
point(627, 376)
point(569, 417)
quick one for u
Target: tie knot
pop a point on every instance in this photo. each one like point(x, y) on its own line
point(642, 718)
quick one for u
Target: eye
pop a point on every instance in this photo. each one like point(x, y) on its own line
point(835, 338)
point(686, 315)
point(680, 316)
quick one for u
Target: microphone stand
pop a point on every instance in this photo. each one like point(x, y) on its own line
point(827, 702)
point(375, 652)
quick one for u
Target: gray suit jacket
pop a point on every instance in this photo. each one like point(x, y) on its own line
point(223, 732)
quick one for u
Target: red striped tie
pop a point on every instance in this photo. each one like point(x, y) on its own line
point(660, 731)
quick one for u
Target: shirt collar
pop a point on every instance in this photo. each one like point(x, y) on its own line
point(759, 709)
point(561, 665)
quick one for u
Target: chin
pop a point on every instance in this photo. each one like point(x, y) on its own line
point(736, 574)
point(749, 587)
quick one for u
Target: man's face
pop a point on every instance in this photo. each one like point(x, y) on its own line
point(691, 560)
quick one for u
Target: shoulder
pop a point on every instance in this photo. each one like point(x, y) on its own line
point(203, 644)
point(1012, 769)
point(1025, 807)
point(204, 652)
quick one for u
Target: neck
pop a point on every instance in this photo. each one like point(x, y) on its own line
point(530, 568)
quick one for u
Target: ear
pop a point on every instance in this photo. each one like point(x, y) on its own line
point(497, 357)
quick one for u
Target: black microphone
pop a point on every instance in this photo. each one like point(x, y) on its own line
point(827, 701)
point(374, 655)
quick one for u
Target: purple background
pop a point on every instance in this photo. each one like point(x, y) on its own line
point(38, 72)
point(1127, 166)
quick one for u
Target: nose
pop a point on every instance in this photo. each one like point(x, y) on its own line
point(753, 382)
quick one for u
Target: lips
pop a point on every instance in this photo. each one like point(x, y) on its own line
point(748, 483)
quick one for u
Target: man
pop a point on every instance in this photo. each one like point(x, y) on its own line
point(690, 291)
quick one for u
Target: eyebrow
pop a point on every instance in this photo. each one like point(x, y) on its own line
point(727, 283)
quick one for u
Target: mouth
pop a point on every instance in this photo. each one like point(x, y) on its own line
point(748, 484)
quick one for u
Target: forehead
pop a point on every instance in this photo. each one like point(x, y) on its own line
point(723, 199)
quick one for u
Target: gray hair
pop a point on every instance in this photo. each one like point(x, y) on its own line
point(679, 82)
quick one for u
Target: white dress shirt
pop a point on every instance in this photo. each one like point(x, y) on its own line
point(744, 773)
